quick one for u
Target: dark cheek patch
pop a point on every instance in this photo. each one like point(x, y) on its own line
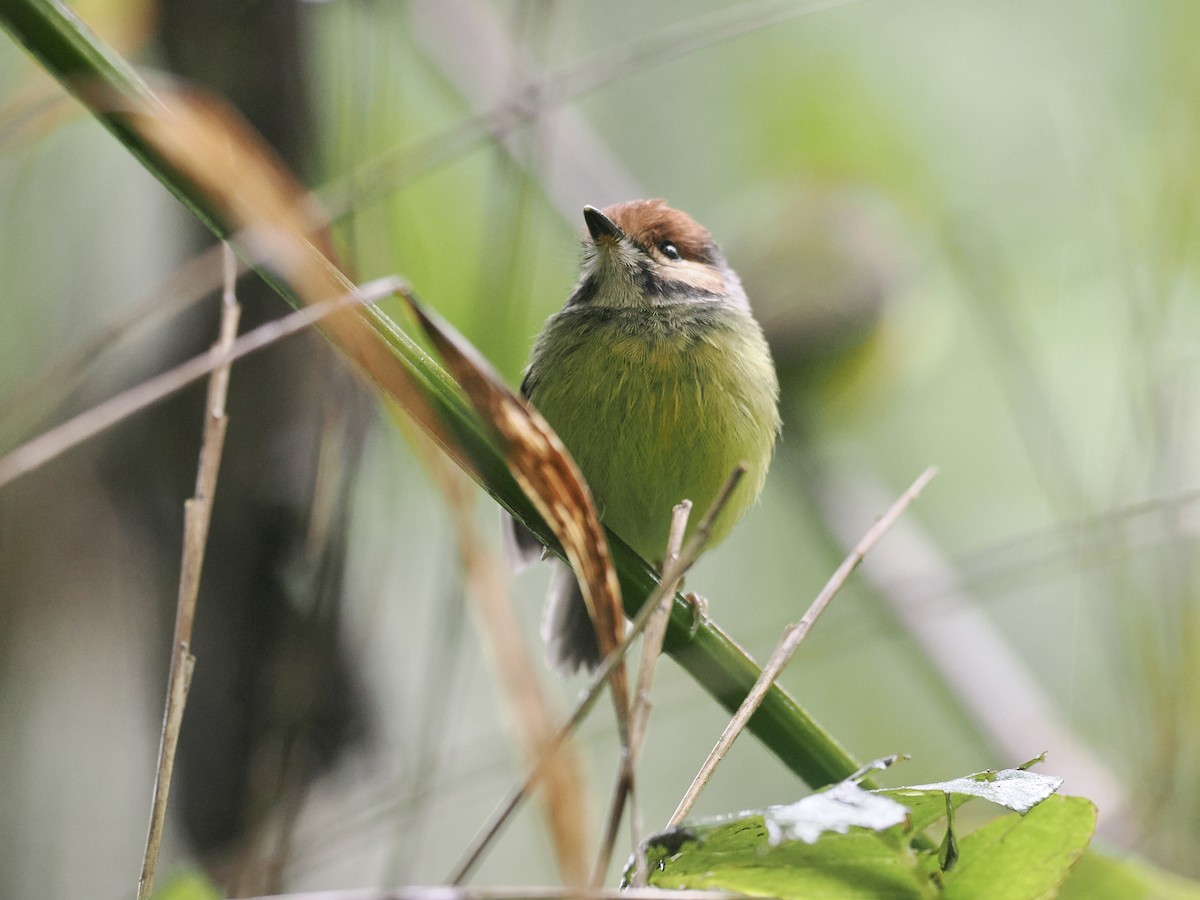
point(649, 283)
point(585, 293)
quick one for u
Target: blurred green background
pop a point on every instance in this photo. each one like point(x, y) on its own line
point(971, 233)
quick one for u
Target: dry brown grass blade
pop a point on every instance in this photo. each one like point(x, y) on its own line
point(277, 221)
point(549, 477)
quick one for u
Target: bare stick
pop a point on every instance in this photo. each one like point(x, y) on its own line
point(651, 650)
point(197, 515)
point(624, 788)
point(49, 444)
point(792, 637)
point(687, 558)
point(655, 632)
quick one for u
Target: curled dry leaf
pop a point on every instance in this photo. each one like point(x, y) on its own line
point(548, 476)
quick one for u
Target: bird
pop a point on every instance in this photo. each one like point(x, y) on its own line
point(659, 381)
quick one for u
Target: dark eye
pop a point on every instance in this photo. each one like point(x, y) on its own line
point(669, 250)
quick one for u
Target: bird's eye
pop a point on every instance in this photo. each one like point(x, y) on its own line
point(669, 250)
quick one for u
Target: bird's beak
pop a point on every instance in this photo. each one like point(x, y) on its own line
point(601, 227)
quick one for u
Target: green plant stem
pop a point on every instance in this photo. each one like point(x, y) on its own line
point(104, 82)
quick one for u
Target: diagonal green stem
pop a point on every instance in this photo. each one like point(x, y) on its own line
point(103, 82)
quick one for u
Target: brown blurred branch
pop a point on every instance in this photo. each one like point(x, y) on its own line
point(550, 92)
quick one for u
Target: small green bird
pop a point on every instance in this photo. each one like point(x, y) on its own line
point(659, 381)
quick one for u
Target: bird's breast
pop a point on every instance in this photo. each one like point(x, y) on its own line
point(656, 409)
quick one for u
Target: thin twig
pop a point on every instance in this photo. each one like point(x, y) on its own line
point(687, 558)
point(656, 631)
point(57, 440)
point(197, 515)
point(622, 790)
point(931, 598)
point(792, 637)
point(586, 701)
point(651, 650)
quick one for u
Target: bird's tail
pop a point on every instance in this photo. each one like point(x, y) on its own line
point(567, 628)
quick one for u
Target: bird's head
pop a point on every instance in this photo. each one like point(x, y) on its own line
point(643, 253)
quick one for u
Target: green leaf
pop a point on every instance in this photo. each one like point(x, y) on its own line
point(738, 856)
point(1014, 789)
point(849, 842)
point(838, 809)
point(1023, 857)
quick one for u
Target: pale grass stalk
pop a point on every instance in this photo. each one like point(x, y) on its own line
point(197, 516)
point(656, 631)
point(642, 703)
point(793, 635)
point(624, 787)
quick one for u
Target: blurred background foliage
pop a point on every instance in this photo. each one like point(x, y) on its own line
point(970, 230)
